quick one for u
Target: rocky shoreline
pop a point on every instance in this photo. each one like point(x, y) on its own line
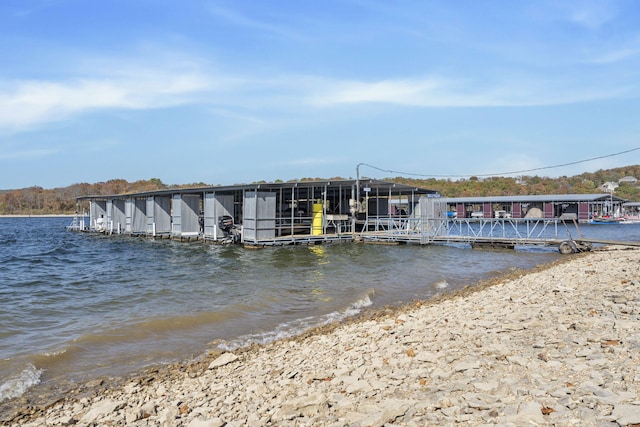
point(558, 345)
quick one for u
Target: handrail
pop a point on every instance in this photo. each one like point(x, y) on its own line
point(470, 229)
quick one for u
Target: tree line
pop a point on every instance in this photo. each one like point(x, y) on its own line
point(40, 201)
point(586, 183)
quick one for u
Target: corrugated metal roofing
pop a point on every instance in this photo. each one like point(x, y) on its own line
point(364, 182)
point(535, 198)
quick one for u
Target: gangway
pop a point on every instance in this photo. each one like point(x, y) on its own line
point(482, 232)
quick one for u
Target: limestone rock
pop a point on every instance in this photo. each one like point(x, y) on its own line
point(222, 360)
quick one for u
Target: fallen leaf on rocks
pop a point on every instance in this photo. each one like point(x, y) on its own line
point(546, 410)
point(423, 382)
point(411, 353)
point(386, 328)
point(609, 342)
point(184, 409)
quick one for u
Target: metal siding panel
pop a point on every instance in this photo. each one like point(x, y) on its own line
point(119, 217)
point(548, 210)
point(162, 214)
point(190, 214)
point(516, 210)
point(216, 206)
point(248, 217)
point(151, 214)
point(487, 211)
point(109, 214)
point(266, 219)
point(583, 211)
point(128, 213)
point(259, 222)
point(139, 217)
point(177, 215)
point(97, 209)
point(210, 225)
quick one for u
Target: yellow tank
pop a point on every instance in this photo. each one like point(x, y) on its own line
point(316, 228)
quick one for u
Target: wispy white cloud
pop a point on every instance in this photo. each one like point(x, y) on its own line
point(440, 92)
point(8, 154)
point(405, 92)
point(22, 9)
point(239, 19)
point(616, 56)
point(592, 14)
point(26, 103)
point(310, 161)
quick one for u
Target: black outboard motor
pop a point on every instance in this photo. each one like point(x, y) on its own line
point(226, 225)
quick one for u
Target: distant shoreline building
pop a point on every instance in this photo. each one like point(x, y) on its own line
point(581, 207)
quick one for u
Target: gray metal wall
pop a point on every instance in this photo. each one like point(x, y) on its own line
point(151, 216)
point(97, 209)
point(259, 216)
point(216, 206)
point(139, 216)
point(110, 215)
point(176, 226)
point(118, 217)
point(162, 214)
point(158, 215)
point(186, 208)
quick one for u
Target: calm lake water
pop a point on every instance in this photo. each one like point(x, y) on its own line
point(75, 306)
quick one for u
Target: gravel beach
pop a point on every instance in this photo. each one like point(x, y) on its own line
point(558, 345)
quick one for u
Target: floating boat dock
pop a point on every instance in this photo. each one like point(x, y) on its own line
point(255, 214)
point(317, 212)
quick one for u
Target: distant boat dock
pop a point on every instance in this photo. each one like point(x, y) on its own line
point(315, 212)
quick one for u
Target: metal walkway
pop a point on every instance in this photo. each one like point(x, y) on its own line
point(480, 232)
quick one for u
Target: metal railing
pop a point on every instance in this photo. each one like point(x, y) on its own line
point(427, 230)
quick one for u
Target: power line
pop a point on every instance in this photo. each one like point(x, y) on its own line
point(502, 173)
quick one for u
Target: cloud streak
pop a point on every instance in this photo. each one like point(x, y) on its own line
point(441, 92)
point(239, 19)
point(28, 154)
point(27, 103)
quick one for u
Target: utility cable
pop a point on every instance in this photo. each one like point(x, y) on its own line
point(503, 173)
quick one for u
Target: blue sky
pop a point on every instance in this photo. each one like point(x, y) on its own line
point(227, 92)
